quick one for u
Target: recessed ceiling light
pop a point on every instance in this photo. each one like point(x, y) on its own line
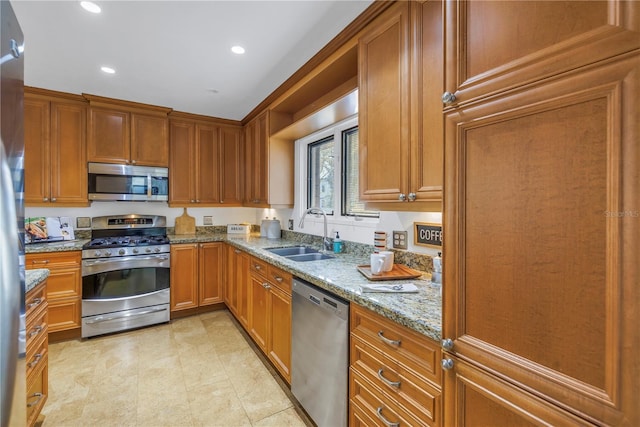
point(108, 70)
point(90, 6)
point(237, 49)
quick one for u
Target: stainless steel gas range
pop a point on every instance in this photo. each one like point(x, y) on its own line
point(125, 274)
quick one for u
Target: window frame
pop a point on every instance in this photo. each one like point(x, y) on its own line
point(302, 166)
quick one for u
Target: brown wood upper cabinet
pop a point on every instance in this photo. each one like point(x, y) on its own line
point(400, 118)
point(268, 166)
point(541, 145)
point(127, 132)
point(205, 162)
point(55, 158)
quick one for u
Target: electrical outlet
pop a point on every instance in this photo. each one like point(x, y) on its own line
point(83, 222)
point(290, 224)
point(399, 239)
point(207, 220)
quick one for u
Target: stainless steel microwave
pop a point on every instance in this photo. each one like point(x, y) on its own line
point(125, 182)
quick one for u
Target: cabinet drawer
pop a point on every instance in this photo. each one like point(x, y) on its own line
point(415, 393)
point(258, 266)
point(36, 353)
point(54, 260)
point(416, 352)
point(279, 278)
point(36, 328)
point(37, 391)
point(64, 314)
point(378, 407)
point(35, 300)
point(65, 278)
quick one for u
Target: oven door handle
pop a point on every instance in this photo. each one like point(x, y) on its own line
point(90, 267)
point(101, 319)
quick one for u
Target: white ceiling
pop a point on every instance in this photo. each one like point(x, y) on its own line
point(177, 53)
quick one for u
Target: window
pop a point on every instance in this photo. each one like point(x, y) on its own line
point(330, 157)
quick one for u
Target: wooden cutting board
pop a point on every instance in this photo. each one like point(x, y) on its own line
point(399, 272)
point(185, 224)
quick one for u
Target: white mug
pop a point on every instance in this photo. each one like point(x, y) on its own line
point(377, 263)
point(388, 260)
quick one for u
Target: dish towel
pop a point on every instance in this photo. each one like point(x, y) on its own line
point(403, 288)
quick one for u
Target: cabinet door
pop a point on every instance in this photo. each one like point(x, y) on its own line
point(427, 129)
point(383, 58)
point(211, 260)
point(258, 311)
point(37, 185)
point(498, 45)
point(68, 154)
point(182, 175)
point(184, 276)
point(230, 279)
point(480, 399)
point(546, 299)
point(208, 161)
point(243, 283)
point(230, 166)
point(256, 161)
point(280, 332)
point(109, 136)
point(149, 140)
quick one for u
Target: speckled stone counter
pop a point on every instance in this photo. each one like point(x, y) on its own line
point(69, 245)
point(34, 277)
point(420, 311)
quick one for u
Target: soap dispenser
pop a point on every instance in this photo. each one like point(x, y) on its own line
point(338, 245)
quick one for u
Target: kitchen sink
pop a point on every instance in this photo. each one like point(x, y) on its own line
point(308, 257)
point(293, 250)
point(300, 253)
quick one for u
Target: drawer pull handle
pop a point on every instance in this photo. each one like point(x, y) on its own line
point(35, 302)
point(278, 278)
point(40, 261)
point(387, 340)
point(395, 384)
point(36, 360)
point(237, 251)
point(36, 331)
point(266, 285)
point(257, 267)
point(35, 402)
point(384, 420)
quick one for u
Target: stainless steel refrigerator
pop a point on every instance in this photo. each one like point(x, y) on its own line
point(12, 287)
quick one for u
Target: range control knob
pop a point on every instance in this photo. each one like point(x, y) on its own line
point(122, 252)
point(135, 250)
point(107, 253)
point(97, 254)
point(156, 250)
point(148, 250)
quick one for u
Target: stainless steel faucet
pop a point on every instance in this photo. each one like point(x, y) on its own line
point(326, 242)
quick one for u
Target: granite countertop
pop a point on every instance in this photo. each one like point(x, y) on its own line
point(420, 311)
point(64, 246)
point(34, 277)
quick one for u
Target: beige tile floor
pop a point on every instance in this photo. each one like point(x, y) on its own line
point(195, 371)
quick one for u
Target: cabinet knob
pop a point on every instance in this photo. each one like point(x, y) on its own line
point(448, 98)
point(221, 201)
point(126, 161)
point(193, 201)
point(266, 285)
point(447, 343)
point(412, 197)
point(197, 201)
point(133, 161)
point(53, 199)
point(237, 251)
point(257, 267)
point(45, 199)
point(402, 197)
point(447, 364)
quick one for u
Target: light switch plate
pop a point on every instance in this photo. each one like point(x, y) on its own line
point(83, 222)
point(207, 220)
point(399, 239)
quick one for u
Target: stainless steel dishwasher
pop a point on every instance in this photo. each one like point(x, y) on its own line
point(320, 354)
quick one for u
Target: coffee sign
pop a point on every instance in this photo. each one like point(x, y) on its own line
point(426, 234)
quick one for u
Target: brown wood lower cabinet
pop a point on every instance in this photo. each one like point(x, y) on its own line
point(64, 288)
point(270, 313)
point(236, 284)
point(394, 375)
point(196, 275)
point(37, 364)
